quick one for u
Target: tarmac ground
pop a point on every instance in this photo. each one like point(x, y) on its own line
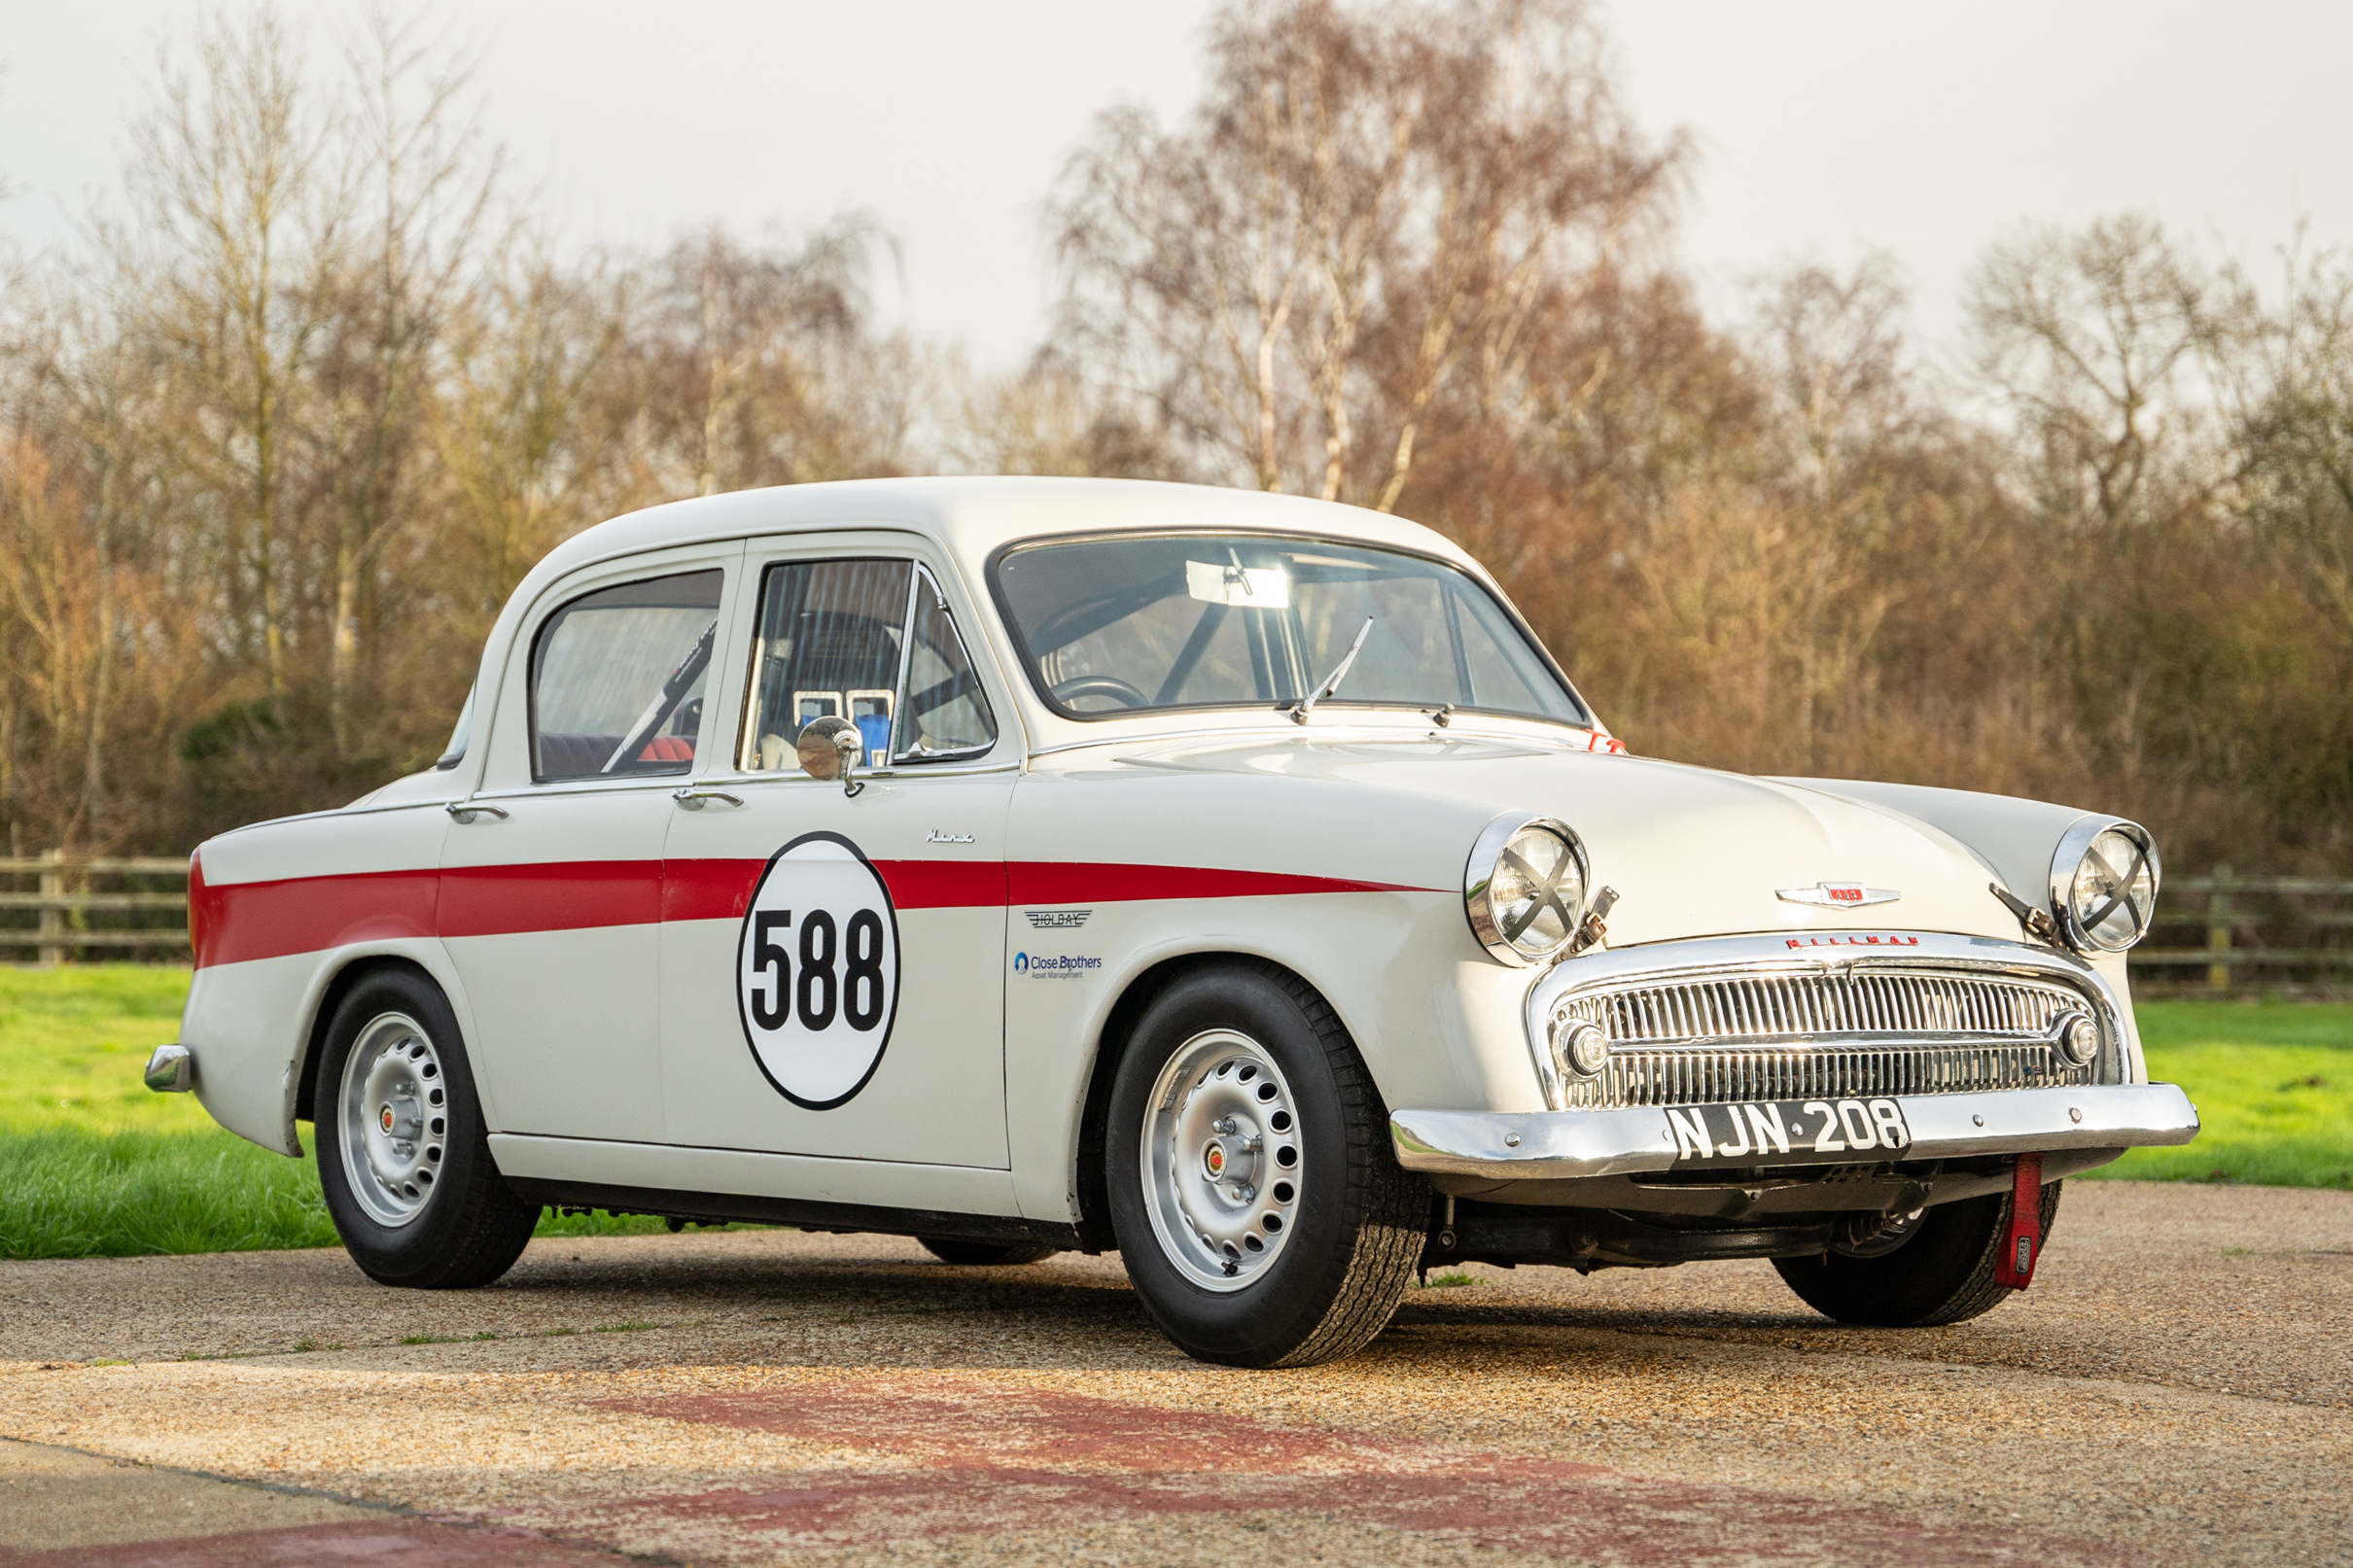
point(2177, 1387)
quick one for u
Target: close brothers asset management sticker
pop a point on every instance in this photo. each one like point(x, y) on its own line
point(1054, 965)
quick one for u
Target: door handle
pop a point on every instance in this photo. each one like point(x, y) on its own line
point(694, 799)
point(466, 810)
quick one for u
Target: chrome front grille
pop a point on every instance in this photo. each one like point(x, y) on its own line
point(1824, 1035)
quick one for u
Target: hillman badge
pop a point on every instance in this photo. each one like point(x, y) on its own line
point(1839, 894)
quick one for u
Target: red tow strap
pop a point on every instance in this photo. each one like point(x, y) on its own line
point(2022, 1241)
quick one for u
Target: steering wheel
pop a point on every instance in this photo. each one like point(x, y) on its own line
point(1100, 685)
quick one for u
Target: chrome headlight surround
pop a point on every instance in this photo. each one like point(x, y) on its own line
point(2087, 916)
point(1490, 925)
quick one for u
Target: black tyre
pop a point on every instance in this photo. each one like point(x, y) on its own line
point(983, 1254)
point(1942, 1273)
point(403, 1155)
point(1259, 1210)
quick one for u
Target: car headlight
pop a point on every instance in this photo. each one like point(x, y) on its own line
point(1524, 888)
point(2104, 884)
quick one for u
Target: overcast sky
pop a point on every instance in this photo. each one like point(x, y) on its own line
point(1824, 128)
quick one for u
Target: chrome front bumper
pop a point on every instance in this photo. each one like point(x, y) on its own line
point(1548, 1145)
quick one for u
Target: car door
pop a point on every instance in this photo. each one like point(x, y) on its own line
point(832, 979)
point(550, 902)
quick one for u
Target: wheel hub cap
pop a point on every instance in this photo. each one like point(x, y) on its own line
point(1221, 1160)
point(393, 1119)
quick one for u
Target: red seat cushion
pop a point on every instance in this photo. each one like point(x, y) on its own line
point(667, 749)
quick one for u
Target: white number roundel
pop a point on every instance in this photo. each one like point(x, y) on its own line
point(817, 971)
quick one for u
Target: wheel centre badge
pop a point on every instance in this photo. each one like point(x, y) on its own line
point(817, 971)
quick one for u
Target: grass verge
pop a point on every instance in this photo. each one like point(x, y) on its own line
point(68, 1192)
point(2273, 1084)
point(93, 1166)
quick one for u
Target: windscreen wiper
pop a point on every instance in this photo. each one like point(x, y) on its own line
point(1331, 683)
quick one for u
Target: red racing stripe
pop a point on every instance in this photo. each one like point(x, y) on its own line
point(268, 919)
point(721, 889)
point(554, 896)
point(245, 921)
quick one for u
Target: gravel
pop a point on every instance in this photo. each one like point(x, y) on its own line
point(2177, 1386)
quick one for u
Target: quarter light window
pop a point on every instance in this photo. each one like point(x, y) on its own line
point(617, 679)
point(870, 641)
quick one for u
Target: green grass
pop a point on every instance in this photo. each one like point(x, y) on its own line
point(91, 1165)
point(2273, 1086)
point(94, 1165)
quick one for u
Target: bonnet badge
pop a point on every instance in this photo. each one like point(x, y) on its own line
point(1839, 894)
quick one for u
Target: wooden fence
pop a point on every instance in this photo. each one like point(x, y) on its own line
point(57, 906)
point(2291, 934)
point(2248, 934)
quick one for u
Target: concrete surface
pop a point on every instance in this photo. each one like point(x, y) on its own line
point(2176, 1388)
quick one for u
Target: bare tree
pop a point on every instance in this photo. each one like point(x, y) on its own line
point(1368, 213)
point(238, 180)
point(529, 352)
point(745, 361)
point(422, 200)
point(2088, 337)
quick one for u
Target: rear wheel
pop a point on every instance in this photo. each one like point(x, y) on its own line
point(1943, 1271)
point(983, 1254)
point(1259, 1210)
point(403, 1153)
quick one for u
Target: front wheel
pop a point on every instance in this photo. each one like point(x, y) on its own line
point(1259, 1210)
point(1942, 1272)
point(403, 1153)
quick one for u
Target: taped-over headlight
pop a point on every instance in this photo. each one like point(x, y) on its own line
point(2104, 884)
point(1524, 888)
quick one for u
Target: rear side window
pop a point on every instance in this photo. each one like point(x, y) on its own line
point(870, 641)
point(617, 679)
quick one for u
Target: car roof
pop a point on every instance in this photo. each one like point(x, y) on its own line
point(973, 517)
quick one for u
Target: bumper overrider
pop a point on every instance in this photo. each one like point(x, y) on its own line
point(1796, 1052)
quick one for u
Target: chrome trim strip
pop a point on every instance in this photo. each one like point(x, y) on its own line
point(1552, 1145)
point(1462, 726)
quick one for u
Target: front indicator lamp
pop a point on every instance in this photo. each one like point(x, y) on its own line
point(1580, 1049)
point(2077, 1037)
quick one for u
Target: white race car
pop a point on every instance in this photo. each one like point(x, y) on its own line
point(1230, 880)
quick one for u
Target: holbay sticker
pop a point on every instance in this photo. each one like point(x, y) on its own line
point(817, 971)
point(1055, 965)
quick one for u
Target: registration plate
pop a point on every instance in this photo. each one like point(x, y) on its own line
point(1763, 1130)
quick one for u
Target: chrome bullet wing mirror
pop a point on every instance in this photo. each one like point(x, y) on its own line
point(831, 748)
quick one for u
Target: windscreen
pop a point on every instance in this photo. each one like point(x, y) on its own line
point(1117, 625)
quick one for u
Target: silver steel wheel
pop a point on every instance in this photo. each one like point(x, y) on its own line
point(1221, 1160)
point(393, 1119)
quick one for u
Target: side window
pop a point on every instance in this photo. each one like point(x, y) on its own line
point(870, 641)
point(827, 647)
point(618, 677)
point(945, 714)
